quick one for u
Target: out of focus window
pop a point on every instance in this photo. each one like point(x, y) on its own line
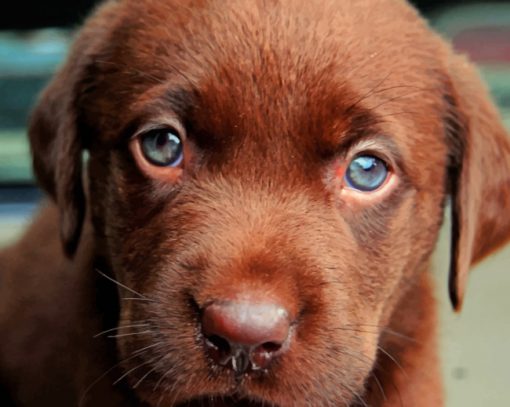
point(27, 61)
point(482, 31)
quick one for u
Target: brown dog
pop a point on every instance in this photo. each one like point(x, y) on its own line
point(265, 183)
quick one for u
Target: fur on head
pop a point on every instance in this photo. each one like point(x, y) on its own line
point(272, 101)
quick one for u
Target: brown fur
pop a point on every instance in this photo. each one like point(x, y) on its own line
point(273, 95)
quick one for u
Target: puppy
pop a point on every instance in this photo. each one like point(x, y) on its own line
point(263, 188)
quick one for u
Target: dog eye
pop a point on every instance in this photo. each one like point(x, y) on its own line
point(162, 147)
point(366, 173)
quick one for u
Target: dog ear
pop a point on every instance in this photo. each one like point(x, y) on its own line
point(479, 174)
point(57, 151)
point(55, 134)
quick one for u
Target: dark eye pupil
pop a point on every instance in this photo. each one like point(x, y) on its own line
point(366, 173)
point(163, 148)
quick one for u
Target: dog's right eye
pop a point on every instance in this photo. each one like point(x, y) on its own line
point(162, 147)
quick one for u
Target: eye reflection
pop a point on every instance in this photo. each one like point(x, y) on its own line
point(366, 173)
point(162, 147)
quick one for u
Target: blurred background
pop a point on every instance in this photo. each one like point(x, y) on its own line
point(34, 37)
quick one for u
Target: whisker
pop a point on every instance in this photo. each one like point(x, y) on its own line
point(393, 359)
point(385, 330)
point(133, 355)
point(366, 95)
point(375, 91)
point(392, 99)
point(136, 299)
point(144, 377)
point(130, 334)
point(339, 328)
point(170, 370)
point(399, 335)
point(398, 393)
point(359, 356)
point(169, 390)
point(355, 393)
point(409, 112)
point(120, 327)
point(122, 285)
point(133, 369)
point(379, 385)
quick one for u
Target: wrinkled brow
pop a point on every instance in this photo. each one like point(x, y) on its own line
point(345, 126)
point(175, 102)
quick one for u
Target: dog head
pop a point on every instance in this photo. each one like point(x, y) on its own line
point(269, 178)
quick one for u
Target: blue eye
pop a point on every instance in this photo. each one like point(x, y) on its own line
point(162, 147)
point(366, 173)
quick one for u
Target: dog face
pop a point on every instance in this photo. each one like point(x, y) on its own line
point(272, 161)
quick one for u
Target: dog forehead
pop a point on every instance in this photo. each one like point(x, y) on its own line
point(276, 64)
point(359, 36)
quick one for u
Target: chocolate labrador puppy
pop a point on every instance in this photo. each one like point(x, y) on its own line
point(253, 221)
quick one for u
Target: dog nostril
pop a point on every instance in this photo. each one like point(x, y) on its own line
point(271, 347)
point(219, 349)
point(219, 343)
point(262, 355)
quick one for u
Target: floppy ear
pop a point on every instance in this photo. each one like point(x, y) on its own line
point(480, 175)
point(54, 130)
point(56, 153)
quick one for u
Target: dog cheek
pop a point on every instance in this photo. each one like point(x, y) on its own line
point(408, 248)
point(163, 345)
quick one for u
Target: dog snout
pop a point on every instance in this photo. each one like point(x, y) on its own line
point(245, 335)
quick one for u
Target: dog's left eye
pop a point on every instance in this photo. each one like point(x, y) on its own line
point(366, 173)
point(162, 147)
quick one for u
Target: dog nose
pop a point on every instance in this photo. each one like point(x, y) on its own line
point(245, 335)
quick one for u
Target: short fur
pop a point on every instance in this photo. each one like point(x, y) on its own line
point(273, 96)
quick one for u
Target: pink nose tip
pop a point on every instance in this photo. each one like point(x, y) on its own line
point(245, 335)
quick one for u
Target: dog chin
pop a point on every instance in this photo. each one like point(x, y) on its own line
point(224, 401)
point(242, 397)
point(236, 399)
